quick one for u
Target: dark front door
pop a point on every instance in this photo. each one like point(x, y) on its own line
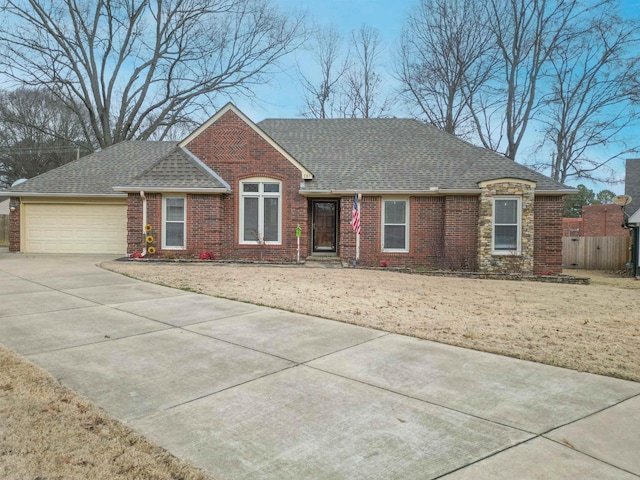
point(324, 225)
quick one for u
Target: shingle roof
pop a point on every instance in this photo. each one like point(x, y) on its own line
point(98, 173)
point(382, 155)
point(176, 170)
point(391, 154)
point(632, 184)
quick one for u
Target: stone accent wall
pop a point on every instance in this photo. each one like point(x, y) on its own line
point(14, 225)
point(515, 262)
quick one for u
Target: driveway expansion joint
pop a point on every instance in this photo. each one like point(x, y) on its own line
point(201, 381)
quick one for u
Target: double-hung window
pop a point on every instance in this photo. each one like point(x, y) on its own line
point(260, 211)
point(507, 224)
point(395, 225)
point(173, 233)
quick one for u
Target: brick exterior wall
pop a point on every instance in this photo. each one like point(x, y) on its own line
point(596, 221)
point(445, 232)
point(461, 232)
point(14, 225)
point(427, 227)
point(442, 233)
point(236, 152)
point(547, 253)
point(603, 221)
point(370, 240)
point(571, 227)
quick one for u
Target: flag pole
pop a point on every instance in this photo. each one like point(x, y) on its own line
point(357, 232)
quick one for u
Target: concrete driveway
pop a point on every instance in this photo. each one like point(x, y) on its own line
point(248, 392)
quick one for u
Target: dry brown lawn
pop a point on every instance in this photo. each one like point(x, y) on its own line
point(47, 432)
point(593, 328)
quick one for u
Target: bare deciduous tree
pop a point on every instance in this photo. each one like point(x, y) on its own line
point(446, 54)
point(136, 68)
point(362, 90)
point(348, 84)
point(590, 103)
point(321, 89)
point(37, 133)
point(527, 33)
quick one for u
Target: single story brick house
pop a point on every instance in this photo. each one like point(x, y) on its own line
point(240, 189)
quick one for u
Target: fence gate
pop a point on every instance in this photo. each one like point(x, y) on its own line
point(595, 253)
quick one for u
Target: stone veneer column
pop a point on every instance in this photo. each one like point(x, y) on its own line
point(509, 262)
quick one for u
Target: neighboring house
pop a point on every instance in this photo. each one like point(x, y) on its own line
point(240, 189)
point(572, 227)
point(604, 220)
point(632, 188)
point(4, 221)
point(4, 205)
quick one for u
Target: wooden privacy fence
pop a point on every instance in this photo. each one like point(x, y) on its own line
point(4, 230)
point(595, 253)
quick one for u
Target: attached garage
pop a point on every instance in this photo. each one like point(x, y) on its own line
point(74, 227)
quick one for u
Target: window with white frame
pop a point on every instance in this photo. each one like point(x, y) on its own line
point(173, 233)
point(395, 225)
point(507, 224)
point(260, 211)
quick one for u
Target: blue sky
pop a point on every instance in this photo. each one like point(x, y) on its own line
point(283, 97)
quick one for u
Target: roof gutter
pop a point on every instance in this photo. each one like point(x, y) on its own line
point(566, 191)
point(430, 191)
point(172, 190)
point(48, 194)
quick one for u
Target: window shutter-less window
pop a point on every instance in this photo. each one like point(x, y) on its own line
point(506, 228)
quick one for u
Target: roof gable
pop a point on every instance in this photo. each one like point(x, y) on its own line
point(179, 170)
point(229, 107)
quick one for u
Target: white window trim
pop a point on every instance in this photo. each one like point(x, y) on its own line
point(164, 223)
point(406, 225)
point(518, 251)
point(260, 195)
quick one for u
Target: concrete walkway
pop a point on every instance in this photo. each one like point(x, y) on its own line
point(248, 392)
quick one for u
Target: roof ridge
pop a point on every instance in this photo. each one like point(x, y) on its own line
point(154, 164)
point(204, 167)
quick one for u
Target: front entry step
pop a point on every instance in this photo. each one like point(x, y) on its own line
point(326, 261)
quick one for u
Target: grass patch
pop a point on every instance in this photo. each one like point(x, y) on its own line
point(49, 432)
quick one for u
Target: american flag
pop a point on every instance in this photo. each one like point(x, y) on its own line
point(355, 216)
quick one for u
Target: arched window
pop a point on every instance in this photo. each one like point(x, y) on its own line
point(260, 211)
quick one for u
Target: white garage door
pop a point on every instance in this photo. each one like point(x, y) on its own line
point(74, 228)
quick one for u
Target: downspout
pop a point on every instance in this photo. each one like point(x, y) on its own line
point(357, 234)
point(144, 221)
